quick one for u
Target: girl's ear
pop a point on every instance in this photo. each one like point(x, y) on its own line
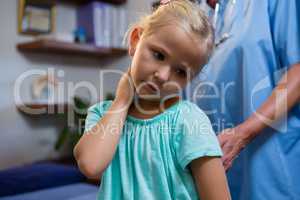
point(134, 38)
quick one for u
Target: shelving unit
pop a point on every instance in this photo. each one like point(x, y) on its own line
point(65, 48)
point(87, 1)
point(59, 47)
point(49, 108)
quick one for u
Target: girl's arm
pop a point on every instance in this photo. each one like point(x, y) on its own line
point(96, 147)
point(210, 179)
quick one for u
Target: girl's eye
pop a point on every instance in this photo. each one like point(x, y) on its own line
point(159, 56)
point(181, 72)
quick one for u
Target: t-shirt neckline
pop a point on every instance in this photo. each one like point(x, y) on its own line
point(156, 117)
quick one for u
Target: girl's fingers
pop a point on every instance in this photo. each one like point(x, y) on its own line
point(128, 70)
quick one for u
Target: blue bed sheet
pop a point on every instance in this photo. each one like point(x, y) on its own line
point(36, 177)
point(77, 191)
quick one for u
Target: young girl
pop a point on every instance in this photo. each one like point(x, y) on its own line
point(148, 144)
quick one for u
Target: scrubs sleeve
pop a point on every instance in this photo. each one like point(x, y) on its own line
point(285, 27)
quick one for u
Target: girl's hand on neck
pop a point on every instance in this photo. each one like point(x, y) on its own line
point(125, 91)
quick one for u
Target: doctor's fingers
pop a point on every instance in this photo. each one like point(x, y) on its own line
point(228, 160)
point(229, 156)
point(222, 140)
point(224, 136)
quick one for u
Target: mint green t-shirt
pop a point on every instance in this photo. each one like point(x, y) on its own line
point(152, 157)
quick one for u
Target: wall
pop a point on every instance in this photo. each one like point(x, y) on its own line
point(24, 138)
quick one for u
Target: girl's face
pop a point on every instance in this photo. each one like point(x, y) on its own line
point(164, 61)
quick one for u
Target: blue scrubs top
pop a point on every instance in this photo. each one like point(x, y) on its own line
point(263, 43)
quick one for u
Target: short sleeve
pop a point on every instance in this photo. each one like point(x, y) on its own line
point(195, 137)
point(95, 113)
point(285, 27)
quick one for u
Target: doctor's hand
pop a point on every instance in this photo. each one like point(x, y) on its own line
point(232, 141)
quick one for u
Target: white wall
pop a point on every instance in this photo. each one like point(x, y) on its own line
point(24, 139)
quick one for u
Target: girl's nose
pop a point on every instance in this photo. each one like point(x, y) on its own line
point(163, 74)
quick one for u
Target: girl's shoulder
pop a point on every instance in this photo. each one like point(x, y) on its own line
point(190, 114)
point(189, 109)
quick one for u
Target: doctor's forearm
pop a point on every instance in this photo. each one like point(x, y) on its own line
point(284, 96)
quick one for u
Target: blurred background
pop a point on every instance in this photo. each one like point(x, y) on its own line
point(57, 58)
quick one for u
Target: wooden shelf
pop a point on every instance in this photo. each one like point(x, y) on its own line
point(59, 47)
point(43, 108)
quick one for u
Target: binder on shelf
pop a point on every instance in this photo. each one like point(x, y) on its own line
point(105, 24)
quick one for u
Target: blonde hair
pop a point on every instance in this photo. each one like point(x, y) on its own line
point(186, 14)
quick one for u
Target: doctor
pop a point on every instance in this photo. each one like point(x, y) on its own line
point(250, 89)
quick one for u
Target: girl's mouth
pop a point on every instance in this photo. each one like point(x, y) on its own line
point(151, 87)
